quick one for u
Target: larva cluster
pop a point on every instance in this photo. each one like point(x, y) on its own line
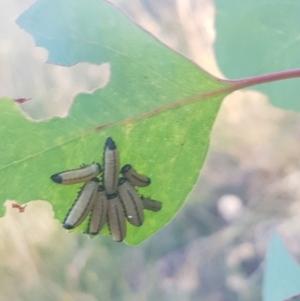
point(112, 201)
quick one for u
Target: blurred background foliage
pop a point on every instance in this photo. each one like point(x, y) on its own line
point(214, 248)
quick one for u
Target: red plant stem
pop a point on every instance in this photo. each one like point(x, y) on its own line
point(262, 79)
point(292, 298)
point(233, 85)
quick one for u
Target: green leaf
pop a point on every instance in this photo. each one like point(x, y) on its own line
point(257, 37)
point(282, 273)
point(135, 109)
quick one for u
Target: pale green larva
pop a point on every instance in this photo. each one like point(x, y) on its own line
point(83, 204)
point(78, 175)
point(133, 177)
point(111, 167)
point(116, 218)
point(98, 215)
point(151, 205)
point(132, 203)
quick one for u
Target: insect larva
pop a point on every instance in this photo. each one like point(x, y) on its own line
point(116, 218)
point(133, 177)
point(132, 203)
point(111, 167)
point(99, 213)
point(82, 174)
point(82, 205)
point(151, 205)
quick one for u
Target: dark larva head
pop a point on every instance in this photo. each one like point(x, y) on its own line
point(56, 178)
point(67, 226)
point(100, 188)
point(110, 144)
point(122, 181)
point(111, 196)
point(126, 168)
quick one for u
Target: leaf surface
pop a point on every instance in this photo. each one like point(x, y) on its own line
point(169, 144)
